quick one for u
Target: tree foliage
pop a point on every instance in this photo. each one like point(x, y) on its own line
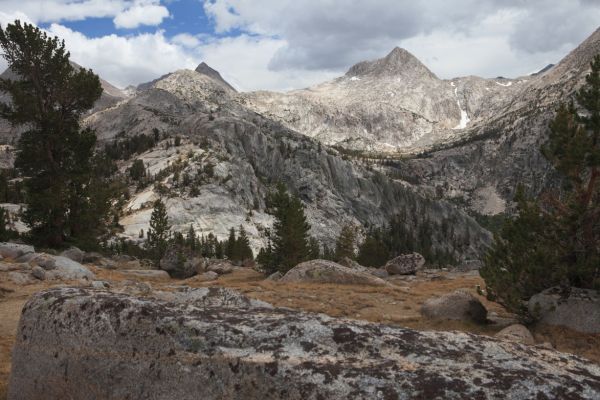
point(48, 98)
point(159, 231)
point(555, 239)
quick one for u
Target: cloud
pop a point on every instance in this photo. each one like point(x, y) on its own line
point(141, 13)
point(126, 13)
point(332, 35)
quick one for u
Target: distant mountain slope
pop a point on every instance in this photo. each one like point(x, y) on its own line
point(247, 154)
point(484, 169)
point(391, 105)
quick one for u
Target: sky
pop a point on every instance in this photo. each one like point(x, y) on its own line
point(289, 44)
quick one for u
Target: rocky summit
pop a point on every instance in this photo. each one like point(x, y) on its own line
point(93, 344)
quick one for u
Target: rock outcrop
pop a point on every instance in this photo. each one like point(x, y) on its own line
point(88, 344)
point(405, 264)
point(458, 305)
point(323, 271)
point(579, 309)
point(516, 333)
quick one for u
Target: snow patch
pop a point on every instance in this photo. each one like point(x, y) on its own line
point(355, 78)
point(464, 117)
point(504, 84)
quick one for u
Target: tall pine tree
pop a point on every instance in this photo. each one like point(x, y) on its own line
point(54, 154)
point(159, 231)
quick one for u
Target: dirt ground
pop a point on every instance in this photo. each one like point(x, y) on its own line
point(397, 305)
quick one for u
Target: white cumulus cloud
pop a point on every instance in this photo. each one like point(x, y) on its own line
point(141, 13)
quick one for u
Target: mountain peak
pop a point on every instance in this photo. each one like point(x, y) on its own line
point(399, 62)
point(205, 69)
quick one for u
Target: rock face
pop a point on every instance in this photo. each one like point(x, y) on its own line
point(579, 311)
point(516, 333)
point(458, 305)
point(87, 344)
point(405, 264)
point(323, 271)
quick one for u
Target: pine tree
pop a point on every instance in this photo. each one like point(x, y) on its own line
point(344, 246)
point(230, 245)
point(372, 252)
point(159, 231)
point(54, 153)
point(290, 230)
point(243, 251)
point(191, 239)
point(4, 231)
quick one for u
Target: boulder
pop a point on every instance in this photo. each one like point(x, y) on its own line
point(209, 297)
point(14, 250)
point(350, 263)
point(44, 261)
point(579, 309)
point(146, 273)
point(406, 264)
point(378, 272)
point(220, 267)
point(74, 254)
point(459, 305)
point(323, 271)
point(203, 344)
point(179, 264)
point(208, 276)
point(102, 285)
point(516, 333)
point(275, 276)
point(67, 269)
point(38, 273)
point(20, 278)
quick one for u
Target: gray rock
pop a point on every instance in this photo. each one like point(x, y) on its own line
point(379, 272)
point(178, 263)
point(146, 273)
point(275, 276)
point(349, 263)
point(458, 305)
point(6, 267)
point(14, 250)
point(25, 258)
point(221, 267)
point(323, 271)
point(406, 264)
point(118, 346)
point(208, 276)
point(20, 278)
point(579, 311)
point(74, 254)
point(67, 269)
point(38, 273)
point(516, 333)
point(43, 260)
point(100, 285)
point(209, 297)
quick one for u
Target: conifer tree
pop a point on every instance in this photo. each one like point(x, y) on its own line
point(314, 250)
point(191, 239)
point(243, 251)
point(230, 245)
point(344, 246)
point(372, 252)
point(290, 230)
point(159, 231)
point(54, 153)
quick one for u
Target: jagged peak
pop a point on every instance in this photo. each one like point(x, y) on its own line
point(212, 73)
point(398, 62)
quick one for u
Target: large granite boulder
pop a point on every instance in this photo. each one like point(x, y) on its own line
point(458, 305)
point(220, 267)
point(323, 271)
point(74, 254)
point(579, 309)
point(406, 264)
point(180, 264)
point(66, 269)
point(15, 250)
point(90, 344)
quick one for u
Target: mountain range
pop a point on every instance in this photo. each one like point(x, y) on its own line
point(388, 139)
